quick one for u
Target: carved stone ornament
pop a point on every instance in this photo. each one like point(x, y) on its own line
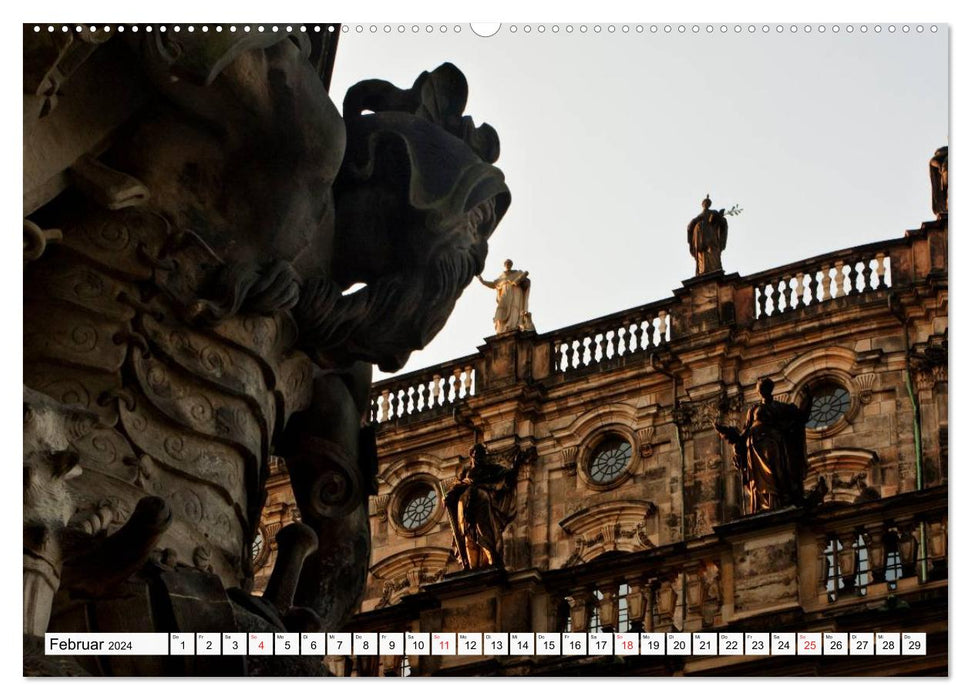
point(570, 459)
point(929, 361)
point(645, 441)
point(188, 242)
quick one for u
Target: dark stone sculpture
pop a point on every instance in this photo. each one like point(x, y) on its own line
point(483, 503)
point(707, 236)
point(186, 263)
point(770, 452)
point(938, 167)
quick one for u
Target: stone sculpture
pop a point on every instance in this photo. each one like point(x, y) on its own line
point(482, 504)
point(938, 166)
point(190, 230)
point(512, 300)
point(707, 236)
point(770, 451)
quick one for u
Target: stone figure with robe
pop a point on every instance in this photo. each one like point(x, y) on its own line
point(481, 505)
point(707, 236)
point(938, 167)
point(770, 451)
point(512, 300)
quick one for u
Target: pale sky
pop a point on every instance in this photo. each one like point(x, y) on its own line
point(610, 141)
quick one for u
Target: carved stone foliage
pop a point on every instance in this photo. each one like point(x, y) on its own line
point(929, 362)
point(696, 416)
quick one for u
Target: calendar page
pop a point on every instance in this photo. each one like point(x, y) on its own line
point(407, 347)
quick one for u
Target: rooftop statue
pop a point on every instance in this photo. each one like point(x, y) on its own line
point(770, 451)
point(707, 236)
point(938, 166)
point(189, 235)
point(512, 300)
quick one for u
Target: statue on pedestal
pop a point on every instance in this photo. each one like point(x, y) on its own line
point(512, 300)
point(938, 166)
point(770, 451)
point(482, 504)
point(707, 236)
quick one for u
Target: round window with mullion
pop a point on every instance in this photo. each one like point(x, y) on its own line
point(829, 402)
point(609, 460)
point(418, 506)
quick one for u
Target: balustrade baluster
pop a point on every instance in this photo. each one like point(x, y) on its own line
point(607, 343)
point(599, 348)
point(383, 406)
point(800, 290)
point(663, 327)
point(873, 537)
point(813, 287)
point(882, 270)
point(847, 559)
point(774, 298)
point(623, 342)
point(586, 353)
point(421, 403)
point(840, 279)
point(436, 398)
point(825, 282)
point(855, 286)
point(788, 285)
point(392, 405)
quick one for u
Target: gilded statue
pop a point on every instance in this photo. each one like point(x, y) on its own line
point(770, 451)
point(512, 300)
point(482, 504)
point(190, 238)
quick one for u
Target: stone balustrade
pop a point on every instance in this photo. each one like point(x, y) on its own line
point(424, 390)
point(612, 337)
point(862, 275)
point(816, 281)
point(880, 551)
point(890, 547)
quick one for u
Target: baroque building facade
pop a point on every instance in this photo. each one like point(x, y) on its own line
point(632, 516)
